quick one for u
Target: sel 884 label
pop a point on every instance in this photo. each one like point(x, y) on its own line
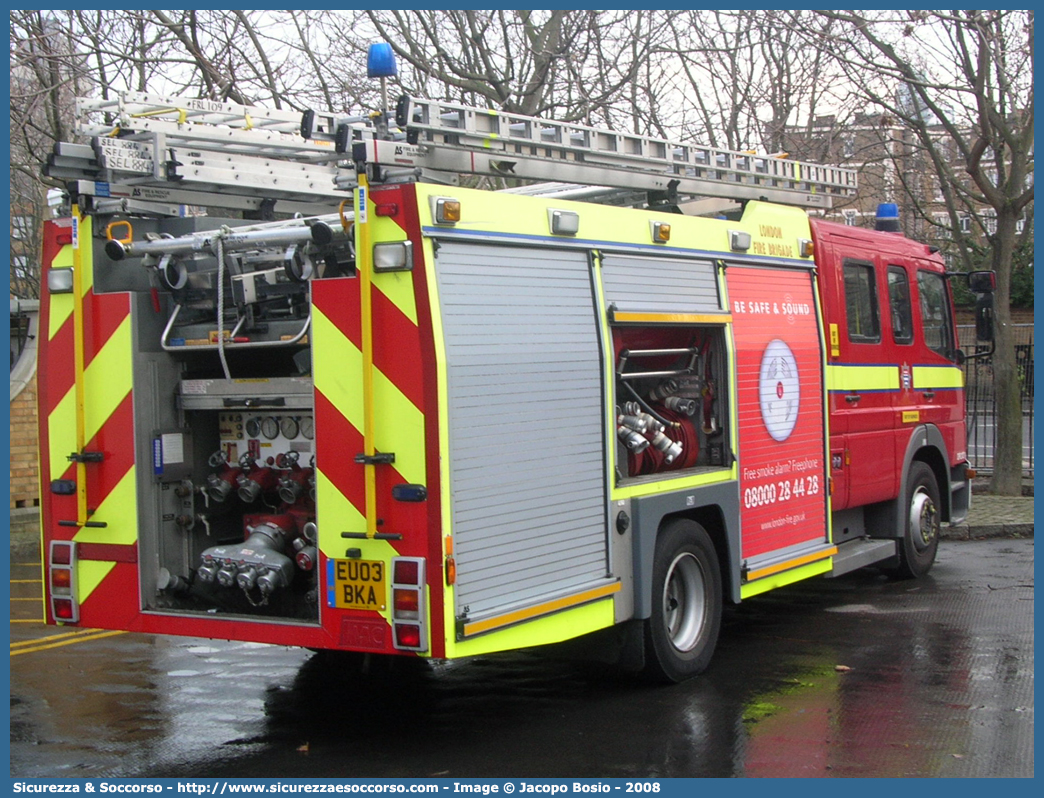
point(784, 490)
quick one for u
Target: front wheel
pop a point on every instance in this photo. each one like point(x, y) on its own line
point(921, 536)
point(682, 631)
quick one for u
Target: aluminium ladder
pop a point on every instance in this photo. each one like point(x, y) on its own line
point(149, 153)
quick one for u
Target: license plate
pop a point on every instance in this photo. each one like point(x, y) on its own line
point(356, 584)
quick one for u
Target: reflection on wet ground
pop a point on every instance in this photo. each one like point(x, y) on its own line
point(859, 676)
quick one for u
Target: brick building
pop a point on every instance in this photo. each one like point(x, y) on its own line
point(25, 485)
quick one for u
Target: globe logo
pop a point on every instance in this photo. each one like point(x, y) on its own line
point(779, 389)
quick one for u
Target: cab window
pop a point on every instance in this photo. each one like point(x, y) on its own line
point(899, 305)
point(861, 303)
point(935, 311)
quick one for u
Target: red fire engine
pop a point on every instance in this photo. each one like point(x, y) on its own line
point(381, 412)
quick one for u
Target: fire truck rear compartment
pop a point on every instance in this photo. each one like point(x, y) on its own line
point(227, 510)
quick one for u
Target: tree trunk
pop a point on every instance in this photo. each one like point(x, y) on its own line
point(1007, 383)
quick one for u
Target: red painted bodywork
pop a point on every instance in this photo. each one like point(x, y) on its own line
point(869, 433)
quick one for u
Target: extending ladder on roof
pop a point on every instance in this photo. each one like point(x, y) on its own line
point(149, 153)
point(456, 137)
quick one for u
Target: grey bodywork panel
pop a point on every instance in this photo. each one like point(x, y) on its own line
point(648, 515)
point(526, 424)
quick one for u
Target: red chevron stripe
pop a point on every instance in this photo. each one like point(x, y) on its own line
point(57, 368)
point(116, 440)
point(336, 444)
point(102, 314)
point(338, 300)
point(396, 345)
point(396, 348)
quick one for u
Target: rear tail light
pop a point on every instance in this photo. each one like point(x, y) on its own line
point(407, 636)
point(64, 610)
point(61, 580)
point(409, 618)
point(406, 602)
point(61, 565)
point(406, 572)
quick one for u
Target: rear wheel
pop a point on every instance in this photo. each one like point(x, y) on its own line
point(682, 631)
point(921, 537)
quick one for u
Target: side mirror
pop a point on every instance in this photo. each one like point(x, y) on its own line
point(984, 282)
point(984, 317)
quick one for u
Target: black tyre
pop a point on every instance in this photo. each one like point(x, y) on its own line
point(682, 631)
point(922, 518)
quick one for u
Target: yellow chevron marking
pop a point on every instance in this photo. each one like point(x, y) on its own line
point(334, 515)
point(61, 304)
point(862, 378)
point(397, 286)
point(336, 368)
point(90, 574)
point(61, 309)
point(119, 510)
point(107, 381)
point(400, 425)
point(399, 428)
point(937, 377)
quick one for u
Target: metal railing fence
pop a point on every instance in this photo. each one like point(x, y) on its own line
point(981, 400)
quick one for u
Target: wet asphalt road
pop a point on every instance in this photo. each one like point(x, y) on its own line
point(859, 676)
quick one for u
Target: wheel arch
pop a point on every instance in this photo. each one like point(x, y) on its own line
point(714, 507)
point(926, 445)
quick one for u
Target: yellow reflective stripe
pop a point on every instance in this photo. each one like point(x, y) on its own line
point(540, 609)
point(785, 578)
point(673, 318)
point(119, 511)
point(862, 378)
point(937, 377)
point(546, 629)
point(769, 570)
point(90, 574)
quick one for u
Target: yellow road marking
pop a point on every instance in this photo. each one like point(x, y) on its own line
point(62, 636)
point(65, 642)
point(25, 581)
point(27, 620)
